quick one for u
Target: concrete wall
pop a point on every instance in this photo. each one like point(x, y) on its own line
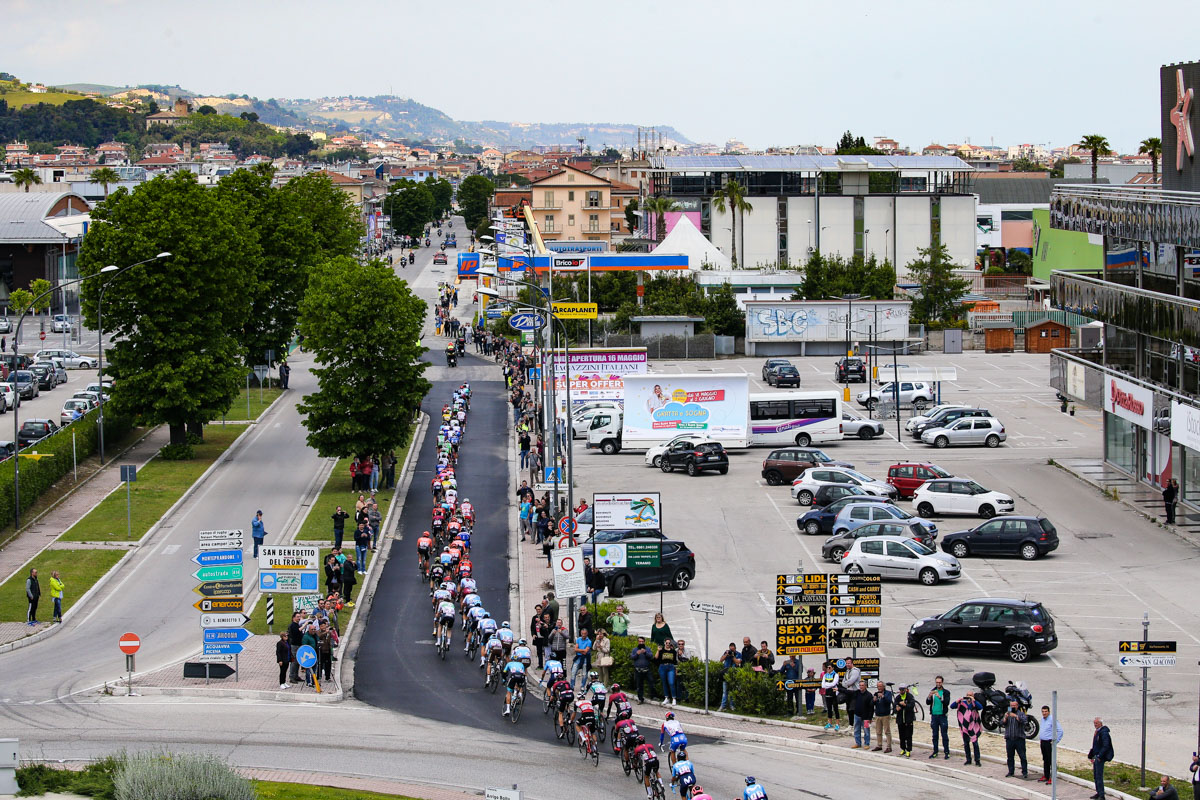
point(912, 230)
point(879, 220)
point(958, 229)
point(762, 233)
point(837, 216)
point(801, 232)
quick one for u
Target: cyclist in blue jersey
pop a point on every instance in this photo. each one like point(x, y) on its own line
point(683, 777)
point(514, 672)
point(753, 791)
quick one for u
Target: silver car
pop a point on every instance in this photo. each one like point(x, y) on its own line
point(70, 359)
point(60, 369)
point(901, 558)
point(918, 393)
point(73, 409)
point(967, 431)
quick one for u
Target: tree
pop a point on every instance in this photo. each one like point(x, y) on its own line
point(631, 220)
point(851, 145)
point(834, 276)
point(410, 206)
point(940, 288)
point(659, 206)
point(206, 110)
point(356, 317)
point(733, 197)
point(25, 177)
point(328, 212)
point(1153, 148)
point(19, 301)
point(1098, 146)
point(474, 194)
point(723, 316)
point(105, 176)
point(249, 116)
point(40, 288)
point(175, 357)
point(1058, 169)
point(443, 196)
point(1028, 165)
point(1020, 261)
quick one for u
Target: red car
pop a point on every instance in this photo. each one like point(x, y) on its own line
point(439, 258)
point(907, 476)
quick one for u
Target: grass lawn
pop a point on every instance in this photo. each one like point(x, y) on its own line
point(268, 790)
point(79, 570)
point(257, 407)
point(1128, 778)
point(318, 525)
point(20, 97)
point(157, 488)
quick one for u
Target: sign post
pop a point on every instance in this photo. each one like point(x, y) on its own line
point(128, 476)
point(707, 609)
point(801, 618)
point(1146, 654)
point(129, 644)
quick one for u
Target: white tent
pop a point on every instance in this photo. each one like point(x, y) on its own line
point(685, 239)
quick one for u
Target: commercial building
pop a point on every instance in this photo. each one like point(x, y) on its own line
point(31, 248)
point(573, 205)
point(1145, 373)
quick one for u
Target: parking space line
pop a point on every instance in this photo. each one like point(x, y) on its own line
point(791, 524)
point(1031, 383)
point(985, 380)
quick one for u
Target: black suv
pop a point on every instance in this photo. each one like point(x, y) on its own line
point(1027, 537)
point(695, 458)
point(849, 369)
point(45, 375)
point(33, 430)
point(783, 375)
point(1018, 629)
point(944, 417)
point(677, 571)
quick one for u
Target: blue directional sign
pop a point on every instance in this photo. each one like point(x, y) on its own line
point(285, 581)
point(220, 648)
point(494, 313)
point(226, 635)
point(306, 657)
point(218, 558)
point(526, 321)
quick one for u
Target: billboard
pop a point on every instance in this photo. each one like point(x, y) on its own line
point(1178, 83)
point(468, 264)
point(805, 321)
point(596, 373)
point(661, 406)
point(627, 511)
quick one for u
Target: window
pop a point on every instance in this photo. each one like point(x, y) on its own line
point(548, 199)
point(990, 528)
point(939, 486)
point(1014, 528)
point(549, 226)
point(969, 612)
point(570, 220)
point(813, 409)
point(570, 197)
point(862, 512)
point(872, 548)
point(1016, 216)
point(982, 425)
point(1002, 614)
point(593, 222)
point(570, 177)
point(593, 199)
point(897, 550)
point(770, 409)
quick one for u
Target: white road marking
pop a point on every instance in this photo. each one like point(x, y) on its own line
point(791, 525)
point(170, 549)
point(1031, 383)
point(985, 380)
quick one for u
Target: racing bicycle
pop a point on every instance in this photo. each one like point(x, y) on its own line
point(443, 642)
point(588, 747)
point(518, 700)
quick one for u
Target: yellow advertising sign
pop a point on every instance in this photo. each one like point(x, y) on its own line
point(576, 310)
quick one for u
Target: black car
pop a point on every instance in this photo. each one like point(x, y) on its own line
point(771, 363)
point(25, 384)
point(849, 369)
point(783, 375)
point(7, 450)
point(1018, 629)
point(944, 417)
point(45, 375)
point(821, 520)
point(33, 430)
point(677, 571)
point(695, 458)
point(1027, 537)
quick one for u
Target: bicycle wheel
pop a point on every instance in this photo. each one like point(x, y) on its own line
point(518, 701)
point(657, 786)
point(546, 703)
point(443, 644)
point(560, 730)
point(600, 730)
point(570, 725)
point(494, 680)
point(920, 712)
point(582, 744)
point(637, 768)
point(594, 748)
point(625, 765)
point(473, 647)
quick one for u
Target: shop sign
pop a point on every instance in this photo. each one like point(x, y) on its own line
point(1129, 401)
point(1185, 425)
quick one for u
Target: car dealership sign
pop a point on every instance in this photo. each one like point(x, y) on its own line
point(1129, 401)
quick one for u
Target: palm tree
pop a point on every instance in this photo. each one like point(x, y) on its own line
point(25, 177)
point(1153, 148)
point(659, 206)
point(105, 176)
point(733, 197)
point(1097, 145)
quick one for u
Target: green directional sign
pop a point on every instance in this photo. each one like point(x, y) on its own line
point(643, 554)
point(231, 572)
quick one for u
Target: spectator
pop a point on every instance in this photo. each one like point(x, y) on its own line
point(667, 660)
point(309, 640)
point(850, 679)
point(1165, 790)
point(619, 621)
point(349, 578)
point(257, 531)
point(339, 527)
point(1049, 732)
point(642, 660)
point(541, 527)
point(333, 575)
point(1014, 738)
point(1195, 770)
point(748, 651)
point(810, 691)
point(883, 716)
point(526, 514)
point(547, 548)
point(969, 724)
point(682, 654)
point(829, 693)
point(864, 712)
point(595, 581)
point(790, 671)
point(283, 657)
point(362, 541)
point(558, 642)
point(602, 648)
point(295, 639)
point(585, 619)
point(1100, 754)
point(33, 593)
point(660, 631)
point(551, 607)
point(374, 521)
point(56, 594)
point(732, 659)
point(547, 627)
point(764, 659)
point(324, 650)
point(537, 634)
point(906, 716)
point(938, 701)
point(523, 442)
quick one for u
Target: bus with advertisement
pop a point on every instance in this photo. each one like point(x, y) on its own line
point(801, 418)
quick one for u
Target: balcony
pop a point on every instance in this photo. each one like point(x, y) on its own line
point(557, 207)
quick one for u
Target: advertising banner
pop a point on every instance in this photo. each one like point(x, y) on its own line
point(569, 577)
point(800, 616)
point(627, 511)
point(662, 406)
point(1130, 401)
point(1185, 425)
point(596, 373)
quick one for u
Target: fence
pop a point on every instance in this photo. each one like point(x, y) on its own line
point(702, 345)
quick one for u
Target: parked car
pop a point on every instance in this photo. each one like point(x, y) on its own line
point(654, 453)
point(695, 458)
point(833, 548)
point(60, 324)
point(7, 450)
point(986, 431)
point(784, 375)
point(900, 558)
point(907, 476)
point(439, 258)
point(960, 496)
point(60, 369)
point(929, 412)
point(821, 519)
point(25, 383)
point(788, 463)
point(855, 515)
point(917, 393)
point(771, 363)
point(804, 486)
point(1018, 629)
point(1027, 537)
point(677, 571)
point(33, 430)
point(6, 325)
point(71, 408)
point(14, 362)
point(8, 397)
point(102, 389)
point(45, 375)
point(91, 398)
point(848, 369)
point(70, 359)
point(945, 417)
point(859, 427)
point(582, 420)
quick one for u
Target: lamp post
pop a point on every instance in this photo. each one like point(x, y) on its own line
point(17, 406)
point(115, 270)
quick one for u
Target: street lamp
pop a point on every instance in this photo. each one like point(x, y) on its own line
point(114, 270)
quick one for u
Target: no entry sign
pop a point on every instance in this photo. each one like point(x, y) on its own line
point(129, 643)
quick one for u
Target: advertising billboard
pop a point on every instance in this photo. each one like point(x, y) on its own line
point(596, 373)
point(661, 406)
point(624, 511)
point(1178, 83)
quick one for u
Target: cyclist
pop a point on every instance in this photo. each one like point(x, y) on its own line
point(452, 496)
point(522, 653)
point(515, 672)
point(464, 536)
point(473, 615)
point(599, 690)
point(563, 695)
point(584, 716)
point(618, 700)
point(671, 728)
point(455, 551)
point(444, 618)
point(753, 791)
point(487, 629)
point(492, 654)
point(683, 774)
point(435, 577)
point(435, 487)
point(446, 558)
point(468, 512)
point(424, 545)
point(698, 793)
point(470, 601)
point(624, 727)
point(506, 637)
point(552, 672)
point(649, 757)
point(442, 594)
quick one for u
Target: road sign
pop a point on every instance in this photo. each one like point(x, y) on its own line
point(803, 683)
point(576, 310)
point(853, 622)
point(219, 648)
point(493, 312)
point(306, 656)
point(223, 620)
point(1161, 647)
point(216, 658)
point(207, 671)
point(800, 615)
point(853, 637)
point(304, 558)
point(526, 321)
point(708, 608)
point(643, 554)
point(284, 581)
point(569, 578)
point(566, 541)
point(219, 544)
point(211, 535)
point(128, 473)
point(226, 635)
point(304, 602)
point(568, 525)
point(129, 643)
point(501, 794)
point(1146, 660)
point(552, 474)
point(209, 604)
point(232, 572)
point(219, 589)
point(212, 558)
point(42, 335)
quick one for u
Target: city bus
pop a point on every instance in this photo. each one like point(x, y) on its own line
point(801, 418)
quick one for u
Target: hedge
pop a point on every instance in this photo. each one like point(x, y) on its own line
point(38, 475)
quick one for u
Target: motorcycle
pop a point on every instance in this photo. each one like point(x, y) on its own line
point(439, 231)
point(995, 702)
point(427, 243)
point(462, 346)
point(412, 258)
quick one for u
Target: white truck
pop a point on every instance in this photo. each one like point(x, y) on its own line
point(659, 407)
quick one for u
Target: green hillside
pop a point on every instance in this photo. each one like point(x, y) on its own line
point(17, 96)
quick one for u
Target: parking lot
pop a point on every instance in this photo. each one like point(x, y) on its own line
point(48, 404)
point(1111, 566)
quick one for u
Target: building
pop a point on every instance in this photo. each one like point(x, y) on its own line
point(1145, 374)
point(353, 187)
point(29, 247)
point(634, 173)
point(884, 206)
point(573, 205)
point(170, 118)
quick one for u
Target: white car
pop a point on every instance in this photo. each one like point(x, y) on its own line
point(70, 358)
point(913, 422)
point(804, 487)
point(582, 420)
point(900, 558)
point(655, 452)
point(104, 389)
point(8, 397)
point(60, 324)
point(959, 496)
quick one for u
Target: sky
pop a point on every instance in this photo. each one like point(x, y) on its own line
point(767, 72)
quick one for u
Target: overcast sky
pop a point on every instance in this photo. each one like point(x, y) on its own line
point(771, 72)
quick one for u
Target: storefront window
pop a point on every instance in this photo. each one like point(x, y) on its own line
point(1119, 443)
point(1190, 484)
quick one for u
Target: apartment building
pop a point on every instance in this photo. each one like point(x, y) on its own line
point(573, 205)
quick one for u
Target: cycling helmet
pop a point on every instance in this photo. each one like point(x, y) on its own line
point(504, 624)
point(616, 687)
point(521, 643)
point(446, 549)
point(426, 533)
point(750, 780)
point(697, 789)
point(670, 715)
point(640, 739)
point(466, 499)
point(593, 675)
point(487, 615)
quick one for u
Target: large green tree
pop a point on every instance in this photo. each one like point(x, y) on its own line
point(834, 276)
point(1153, 148)
point(410, 206)
point(941, 289)
point(1098, 146)
point(443, 196)
point(176, 356)
point(328, 211)
point(25, 177)
point(474, 194)
point(363, 326)
point(105, 176)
